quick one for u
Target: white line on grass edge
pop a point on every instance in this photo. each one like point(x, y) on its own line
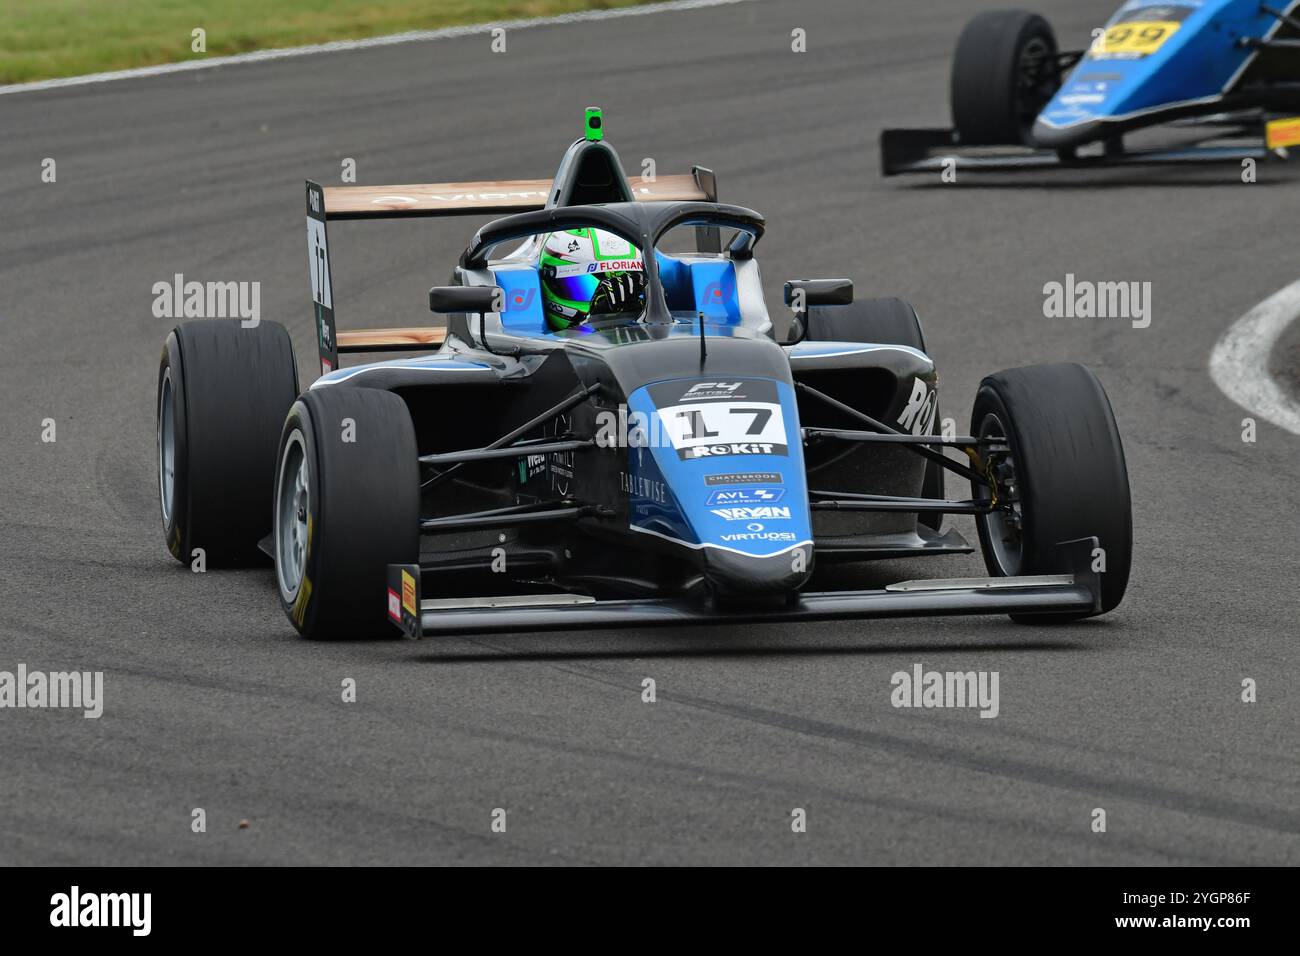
point(1239, 362)
point(335, 46)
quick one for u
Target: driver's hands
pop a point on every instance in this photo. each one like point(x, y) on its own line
point(617, 292)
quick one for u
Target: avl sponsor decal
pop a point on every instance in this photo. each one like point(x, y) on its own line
point(746, 496)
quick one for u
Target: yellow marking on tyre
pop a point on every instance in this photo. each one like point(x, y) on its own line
point(300, 603)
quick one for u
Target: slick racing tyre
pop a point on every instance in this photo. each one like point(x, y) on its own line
point(1061, 477)
point(1003, 73)
point(223, 392)
point(887, 321)
point(884, 321)
point(347, 504)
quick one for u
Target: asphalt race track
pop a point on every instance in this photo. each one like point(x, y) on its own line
point(212, 702)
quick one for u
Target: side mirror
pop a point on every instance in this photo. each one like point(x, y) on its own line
point(819, 292)
point(800, 294)
point(465, 298)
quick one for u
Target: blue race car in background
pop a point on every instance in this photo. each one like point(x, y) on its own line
point(1227, 69)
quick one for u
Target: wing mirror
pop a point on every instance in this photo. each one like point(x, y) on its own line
point(801, 294)
point(466, 298)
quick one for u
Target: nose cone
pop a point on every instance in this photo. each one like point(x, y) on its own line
point(1065, 137)
point(722, 477)
point(740, 575)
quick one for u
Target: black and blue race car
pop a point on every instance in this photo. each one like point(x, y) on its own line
point(670, 460)
point(1224, 72)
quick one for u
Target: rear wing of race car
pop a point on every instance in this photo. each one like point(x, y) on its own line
point(433, 200)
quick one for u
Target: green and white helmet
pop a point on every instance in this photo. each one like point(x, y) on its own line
point(586, 272)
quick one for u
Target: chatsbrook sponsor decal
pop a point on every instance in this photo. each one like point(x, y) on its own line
point(179, 299)
point(1082, 299)
point(77, 690)
point(922, 688)
point(76, 908)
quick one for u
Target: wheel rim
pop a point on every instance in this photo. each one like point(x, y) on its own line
point(1035, 80)
point(166, 447)
point(292, 511)
point(1004, 526)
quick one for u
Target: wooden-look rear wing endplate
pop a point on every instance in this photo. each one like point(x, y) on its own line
point(431, 200)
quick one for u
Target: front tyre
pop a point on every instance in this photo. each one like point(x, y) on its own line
point(347, 504)
point(1060, 476)
point(1004, 72)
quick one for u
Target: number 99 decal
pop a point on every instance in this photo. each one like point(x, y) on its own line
point(1138, 38)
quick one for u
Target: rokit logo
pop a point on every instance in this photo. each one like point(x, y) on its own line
point(918, 414)
point(734, 448)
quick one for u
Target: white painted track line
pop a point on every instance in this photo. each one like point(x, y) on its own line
point(201, 62)
point(1239, 362)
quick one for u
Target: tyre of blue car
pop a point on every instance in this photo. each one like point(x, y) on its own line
point(347, 504)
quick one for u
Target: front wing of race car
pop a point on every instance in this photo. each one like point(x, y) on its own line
point(1226, 139)
point(1075, 591)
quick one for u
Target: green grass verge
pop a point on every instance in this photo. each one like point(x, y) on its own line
point(41, 39)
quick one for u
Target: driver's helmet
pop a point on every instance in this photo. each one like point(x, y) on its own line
point(589, 272)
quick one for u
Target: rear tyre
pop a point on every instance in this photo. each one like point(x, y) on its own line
point(223, 392)
point(347, 504)
point(1003, 73)
point(884, 321)
point(1062, 477)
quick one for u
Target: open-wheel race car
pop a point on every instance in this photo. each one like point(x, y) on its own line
point(608, 433)
point(1222, 75)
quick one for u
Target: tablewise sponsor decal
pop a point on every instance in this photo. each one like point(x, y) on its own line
point(639, 487)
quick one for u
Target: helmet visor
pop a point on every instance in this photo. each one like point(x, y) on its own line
point(575, 289)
